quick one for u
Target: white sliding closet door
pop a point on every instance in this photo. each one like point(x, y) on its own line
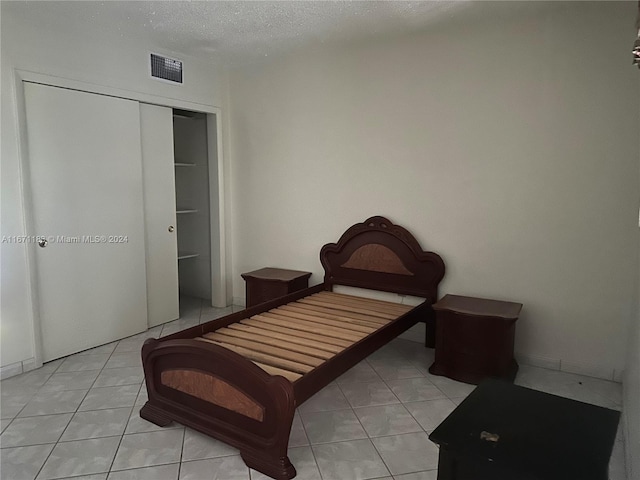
point(160, 213)
point(85, 173)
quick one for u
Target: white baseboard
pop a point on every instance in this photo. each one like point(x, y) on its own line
point(10, 370)
point(17, 368)
point(30, 364)
point(588, 370)
point(538, 361)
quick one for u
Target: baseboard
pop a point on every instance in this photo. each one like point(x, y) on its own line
point(17, 368)
point(30, 364)
point(538, 361)
point(588, 370)
point(10, 370)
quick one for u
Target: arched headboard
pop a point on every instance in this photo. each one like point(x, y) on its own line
point(379, 255)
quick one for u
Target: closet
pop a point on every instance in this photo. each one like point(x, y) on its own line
point(175, 155)
point(120, 217)
point(192, 203)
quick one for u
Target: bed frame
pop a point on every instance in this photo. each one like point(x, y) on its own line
point(223, 394)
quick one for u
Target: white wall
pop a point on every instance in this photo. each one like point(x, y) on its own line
point(631, 396)
point(505, 141)
point(631, 405)
point(82, 56)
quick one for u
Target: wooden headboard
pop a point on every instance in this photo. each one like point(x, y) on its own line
point(379, 255)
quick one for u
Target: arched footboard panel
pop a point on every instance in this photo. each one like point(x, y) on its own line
point(224, 395)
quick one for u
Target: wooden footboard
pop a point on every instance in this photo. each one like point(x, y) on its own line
point(224, 395)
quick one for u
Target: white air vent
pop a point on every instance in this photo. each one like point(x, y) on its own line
point(166, 68)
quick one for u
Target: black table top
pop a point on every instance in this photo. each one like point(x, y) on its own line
point(546, 436)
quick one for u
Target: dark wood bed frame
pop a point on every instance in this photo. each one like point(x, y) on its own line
point(223, 394)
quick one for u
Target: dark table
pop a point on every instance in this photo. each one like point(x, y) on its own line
point(506, 432)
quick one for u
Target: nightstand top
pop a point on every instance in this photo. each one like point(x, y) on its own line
point(276, 274)
point(479, 306)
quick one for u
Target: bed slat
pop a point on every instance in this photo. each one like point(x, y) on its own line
point(262, 348)
point(344, 313)
point(344, 309)
point(310, 326)
point(286, 345)
point(291, 311)
point(346, 306)
point(262, 358)
point(298, 333)
point(291, 376)
point(289, 338)
point(350, 299)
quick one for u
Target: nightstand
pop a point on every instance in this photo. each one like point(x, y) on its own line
point(270, 283)
point(474, 338)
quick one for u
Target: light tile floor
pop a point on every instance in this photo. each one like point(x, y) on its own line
point(78, 418)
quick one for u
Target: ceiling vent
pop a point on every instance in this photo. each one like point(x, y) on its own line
point(166, 68)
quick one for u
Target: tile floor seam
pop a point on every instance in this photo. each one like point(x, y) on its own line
point(45, 461)
point(184, 435)
point(304, 429)
point(362, 426)
point(76, 411)
point(409, 411)
point(385, 463)
point(353, 412)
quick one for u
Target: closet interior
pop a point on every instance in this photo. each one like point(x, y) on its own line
point(192, 204)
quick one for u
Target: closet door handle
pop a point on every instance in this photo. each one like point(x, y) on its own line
point(171, 228)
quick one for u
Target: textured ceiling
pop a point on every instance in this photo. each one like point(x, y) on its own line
point(234, 31)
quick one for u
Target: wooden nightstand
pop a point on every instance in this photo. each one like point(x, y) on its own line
point(269, 283)
point(474, 338)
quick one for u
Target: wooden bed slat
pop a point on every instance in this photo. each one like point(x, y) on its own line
point(345, 307)
point(315, 326)
point(289, 338)
point(365, 310)
point(291, 376)
point(310, 326)
point(293, 308)
point(353, 300)
point(334, 322)
point(352, 315)
point(338, 343)
point(286, 345)
point(347, 311)
point(267, 349)
point(261, 357)
point(380, 307)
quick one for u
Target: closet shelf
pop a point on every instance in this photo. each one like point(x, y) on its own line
point(186, 210)
point(183, 255)
point(183, 164)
